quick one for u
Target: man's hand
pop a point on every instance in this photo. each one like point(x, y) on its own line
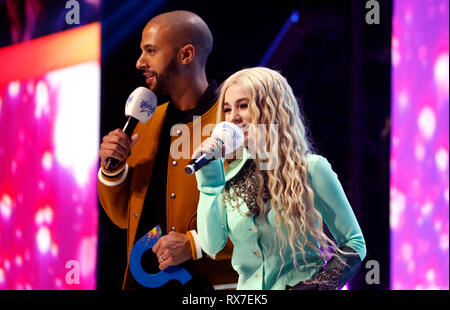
point(172, 249)
point(117, 145)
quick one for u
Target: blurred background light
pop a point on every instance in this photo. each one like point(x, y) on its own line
point(419, 217)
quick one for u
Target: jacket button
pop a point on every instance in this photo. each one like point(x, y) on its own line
point(143, 184)
point(254, 228)
point(179, 132)
point(258, 253)
point(174, 163)
point(135, 215)
point(173, 196)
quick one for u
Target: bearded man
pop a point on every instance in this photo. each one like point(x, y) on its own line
point(149, 186)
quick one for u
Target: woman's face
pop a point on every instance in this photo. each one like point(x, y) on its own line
point(235, 108)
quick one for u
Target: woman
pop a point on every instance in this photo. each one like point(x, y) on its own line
point(271, 201)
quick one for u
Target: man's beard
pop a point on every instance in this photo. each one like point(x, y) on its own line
point(165, 80)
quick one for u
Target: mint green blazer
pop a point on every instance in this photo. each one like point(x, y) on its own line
point(255, 258)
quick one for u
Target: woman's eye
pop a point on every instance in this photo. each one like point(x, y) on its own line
point(226, 110)
point(244, 106)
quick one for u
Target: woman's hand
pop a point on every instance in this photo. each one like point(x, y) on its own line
point(211, 146)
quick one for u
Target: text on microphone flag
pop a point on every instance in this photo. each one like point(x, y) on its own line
point(146, 107)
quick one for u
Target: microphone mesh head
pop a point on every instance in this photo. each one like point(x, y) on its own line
point(141, 104)
point(230, 134)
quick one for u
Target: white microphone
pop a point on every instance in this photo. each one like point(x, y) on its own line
point(229, 134)
point(140, 106)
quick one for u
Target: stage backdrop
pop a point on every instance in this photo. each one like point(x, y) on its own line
point(49, 141)
point(419, 145)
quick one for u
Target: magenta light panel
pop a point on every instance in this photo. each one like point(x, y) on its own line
point(419, 196)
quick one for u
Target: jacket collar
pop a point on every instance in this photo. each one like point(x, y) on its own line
point(206, 102)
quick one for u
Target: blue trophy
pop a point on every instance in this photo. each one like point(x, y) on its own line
point(159, 279)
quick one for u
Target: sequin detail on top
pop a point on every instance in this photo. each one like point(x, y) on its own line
point(245, 186)
point(326, 279)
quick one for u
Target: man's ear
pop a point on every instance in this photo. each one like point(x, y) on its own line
point(187, 54)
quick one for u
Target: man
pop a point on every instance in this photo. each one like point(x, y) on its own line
point(149, 186)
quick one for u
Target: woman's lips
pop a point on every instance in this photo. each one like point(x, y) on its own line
point(244, 128)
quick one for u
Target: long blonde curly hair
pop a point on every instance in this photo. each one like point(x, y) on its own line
point(272, 102)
